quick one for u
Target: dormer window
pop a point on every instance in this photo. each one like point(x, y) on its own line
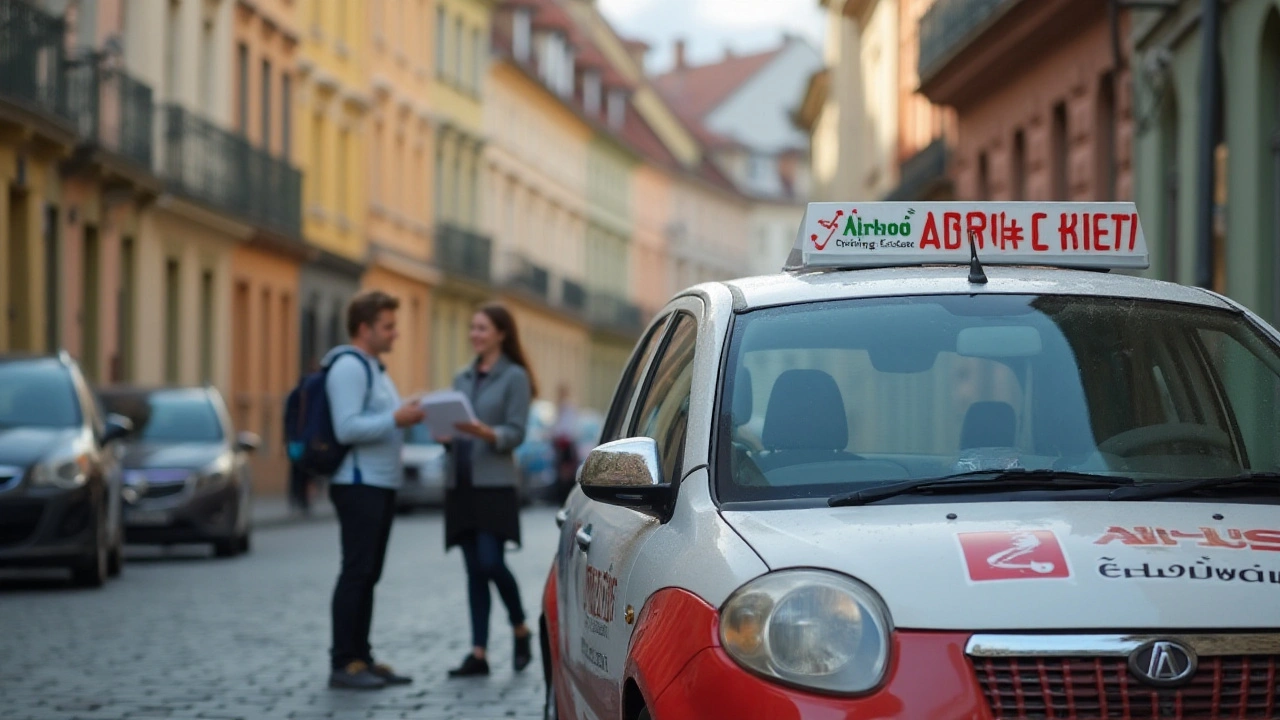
point(591, 92)
point(522, 34)
point(617, 108)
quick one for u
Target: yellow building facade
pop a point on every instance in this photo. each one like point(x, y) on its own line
point(400, 146)
point(462, 252)
point(536, 212)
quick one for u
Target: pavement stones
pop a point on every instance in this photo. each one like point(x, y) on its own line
point(182, 635)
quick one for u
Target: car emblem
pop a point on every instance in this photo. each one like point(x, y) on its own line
point(1163, 663)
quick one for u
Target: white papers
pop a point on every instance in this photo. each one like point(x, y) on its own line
point(444, 409)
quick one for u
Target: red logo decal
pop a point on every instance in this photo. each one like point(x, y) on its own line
point(833, 224)
point(1030, 554)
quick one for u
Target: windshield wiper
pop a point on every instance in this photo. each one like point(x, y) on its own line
point(988, 480)
point(1268, 481)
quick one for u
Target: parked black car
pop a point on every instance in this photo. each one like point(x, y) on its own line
point(187, 476)
point(60, 478)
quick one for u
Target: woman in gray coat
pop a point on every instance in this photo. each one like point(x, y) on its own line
point(482, 507)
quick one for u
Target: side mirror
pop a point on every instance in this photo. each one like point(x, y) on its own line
point(626, 473)
point(117, 427)
point(248, 442)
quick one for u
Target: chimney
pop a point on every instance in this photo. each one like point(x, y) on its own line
point(680, 62)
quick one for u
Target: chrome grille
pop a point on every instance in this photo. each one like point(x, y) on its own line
point(1025, 678)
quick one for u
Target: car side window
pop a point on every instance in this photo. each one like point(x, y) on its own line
point(613, 424)
point(664, 404)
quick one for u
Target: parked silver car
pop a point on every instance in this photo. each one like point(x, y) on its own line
point(424, 468)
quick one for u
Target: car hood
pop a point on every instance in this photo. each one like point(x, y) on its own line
point(1041, 566)
point(188, 456)
point(22, 446)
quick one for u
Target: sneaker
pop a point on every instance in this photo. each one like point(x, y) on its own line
point(356, 676)
point(524, 652)
point(387, 674)
point(471, 666)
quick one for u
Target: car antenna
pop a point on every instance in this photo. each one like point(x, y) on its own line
point(976, 274)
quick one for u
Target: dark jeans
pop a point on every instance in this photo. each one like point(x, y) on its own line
point(299, 487)
point(365, 514)
point(482, 552)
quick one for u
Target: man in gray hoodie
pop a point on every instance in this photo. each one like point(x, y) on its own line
point(368, 416)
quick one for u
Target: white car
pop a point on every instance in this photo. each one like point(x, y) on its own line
point(891, 483)
point(424, 470)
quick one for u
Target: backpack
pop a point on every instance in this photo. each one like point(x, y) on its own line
point(308, 425)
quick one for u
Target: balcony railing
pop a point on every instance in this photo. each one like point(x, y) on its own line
point(221, 169)
point(529, 276)
point(921, 171)
point(612, 312)
point(572, 295)
point(949, 25)
point(32, 58)
point(464, 253)
point(111, 109)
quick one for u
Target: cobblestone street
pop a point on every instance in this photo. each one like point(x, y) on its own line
point(183, 635)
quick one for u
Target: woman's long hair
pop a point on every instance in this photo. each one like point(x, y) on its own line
point(503, 321)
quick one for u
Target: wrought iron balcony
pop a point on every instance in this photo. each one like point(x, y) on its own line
point(221, 169)
point(949, 25)
point(608, 311)
point(32, 59)
point(573, 295)
point(111, 109)
point(922, 172)
point(465, 253)
point(529, 276)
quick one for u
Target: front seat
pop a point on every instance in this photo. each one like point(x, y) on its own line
point(805, 421)
point(989, 424)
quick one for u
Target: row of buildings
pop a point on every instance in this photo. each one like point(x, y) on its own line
point(191, 190)
point(1067, 100)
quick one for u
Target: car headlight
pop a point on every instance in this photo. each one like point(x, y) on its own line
point(214, 475)
point(67, 472)
point(809, 628)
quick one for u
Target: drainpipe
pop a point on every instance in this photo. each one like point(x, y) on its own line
point(1209, 132)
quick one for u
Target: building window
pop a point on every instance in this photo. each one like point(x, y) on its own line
point(207, 304)
point(343, 175)
point(1106, 139)
point(171, 55)
point(617, 108)
point(123, 371)
point(1058, 146)
point(442, 32)
point(172, 312)
point(266, 105)
point(984, 187)
point(375, 163)
point(521, 34)
point(458, 65)
point(317, 169)
point(208, 62)
point(478, 50)
point(286, 115)
point(591, 92)
point(242, 92)
point(1019, 166)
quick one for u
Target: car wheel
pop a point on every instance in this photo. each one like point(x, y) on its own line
point(226, 548)
point(115, 560)
point(92, 571)
point(245, 544)
point(549, 709)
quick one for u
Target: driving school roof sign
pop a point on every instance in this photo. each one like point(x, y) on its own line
point(883, 234)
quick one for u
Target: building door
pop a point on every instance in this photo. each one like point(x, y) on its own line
point(52, 271)
point(89, 317)
point(17, 302)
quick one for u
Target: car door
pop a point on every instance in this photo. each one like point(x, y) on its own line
point(611, 537)
point(570, 573)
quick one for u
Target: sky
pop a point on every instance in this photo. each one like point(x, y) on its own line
point(710, 26)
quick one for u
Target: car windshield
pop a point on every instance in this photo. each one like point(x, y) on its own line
point(169, 417)
point(830, 397)
point(37, 394)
